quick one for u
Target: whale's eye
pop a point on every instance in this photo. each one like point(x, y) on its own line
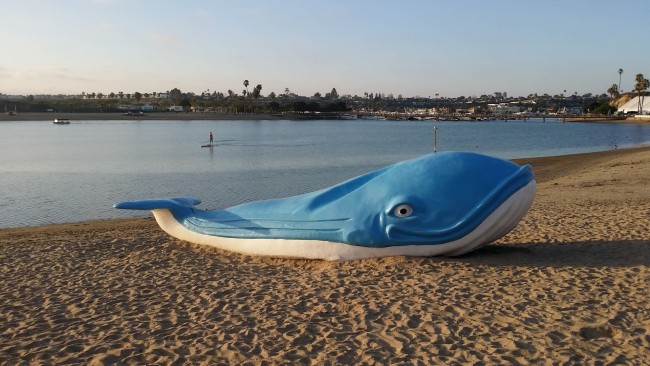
point(403, 211)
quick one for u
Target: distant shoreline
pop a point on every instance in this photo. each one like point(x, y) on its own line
point(219, 116)
point(153, 116)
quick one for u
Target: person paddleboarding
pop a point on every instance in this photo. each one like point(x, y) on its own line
point(210, 144)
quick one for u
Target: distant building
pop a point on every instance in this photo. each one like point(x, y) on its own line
point(632, 106)
point(569, 110)
point(131, 107)
point(503, 108)
point(575, 110)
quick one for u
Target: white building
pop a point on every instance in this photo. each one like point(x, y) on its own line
point(632, 105)
point(503, 108)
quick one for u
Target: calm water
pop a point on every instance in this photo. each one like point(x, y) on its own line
point(55, 174)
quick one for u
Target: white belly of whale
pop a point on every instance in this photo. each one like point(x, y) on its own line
point(496, 225)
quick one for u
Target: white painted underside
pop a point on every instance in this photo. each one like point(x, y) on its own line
point(498, 224)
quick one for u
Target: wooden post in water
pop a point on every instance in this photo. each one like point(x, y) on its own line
point(435, 137)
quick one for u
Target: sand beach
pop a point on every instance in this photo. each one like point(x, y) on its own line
point(570, 285)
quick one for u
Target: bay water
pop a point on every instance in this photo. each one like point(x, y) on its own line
point(68, 173)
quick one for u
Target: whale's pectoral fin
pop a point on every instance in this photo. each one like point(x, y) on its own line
point(153, 204)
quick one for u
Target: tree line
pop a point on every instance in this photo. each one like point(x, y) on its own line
point(254, 101)
point(641, 84)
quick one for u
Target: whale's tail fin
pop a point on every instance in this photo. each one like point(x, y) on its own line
point(153, 204)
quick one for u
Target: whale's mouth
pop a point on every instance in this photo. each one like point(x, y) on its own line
point(401, 233)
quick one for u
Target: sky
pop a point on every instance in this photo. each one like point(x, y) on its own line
point(410, 48)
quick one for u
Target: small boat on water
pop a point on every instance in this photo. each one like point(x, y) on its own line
point(61, 121)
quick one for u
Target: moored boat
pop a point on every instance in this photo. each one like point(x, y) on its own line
point(61, 121)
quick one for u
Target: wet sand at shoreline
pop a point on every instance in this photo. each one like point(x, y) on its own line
point(569, 285)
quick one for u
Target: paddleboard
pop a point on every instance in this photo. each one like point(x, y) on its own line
point(207, 145)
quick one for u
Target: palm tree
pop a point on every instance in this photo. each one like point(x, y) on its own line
point(257, 91)
point(620, 74)
point(246, 86)
point(612, 91)
point(641, 85)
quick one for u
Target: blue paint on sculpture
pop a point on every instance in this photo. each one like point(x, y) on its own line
point(435, 199)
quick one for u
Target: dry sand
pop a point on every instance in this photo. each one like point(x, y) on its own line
point(570, 285)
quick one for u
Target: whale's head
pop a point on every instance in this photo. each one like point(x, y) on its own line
point(434, 199)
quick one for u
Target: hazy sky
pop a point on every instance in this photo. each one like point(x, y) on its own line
point(412, 48)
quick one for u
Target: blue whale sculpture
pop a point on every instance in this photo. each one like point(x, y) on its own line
point(446, 203)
